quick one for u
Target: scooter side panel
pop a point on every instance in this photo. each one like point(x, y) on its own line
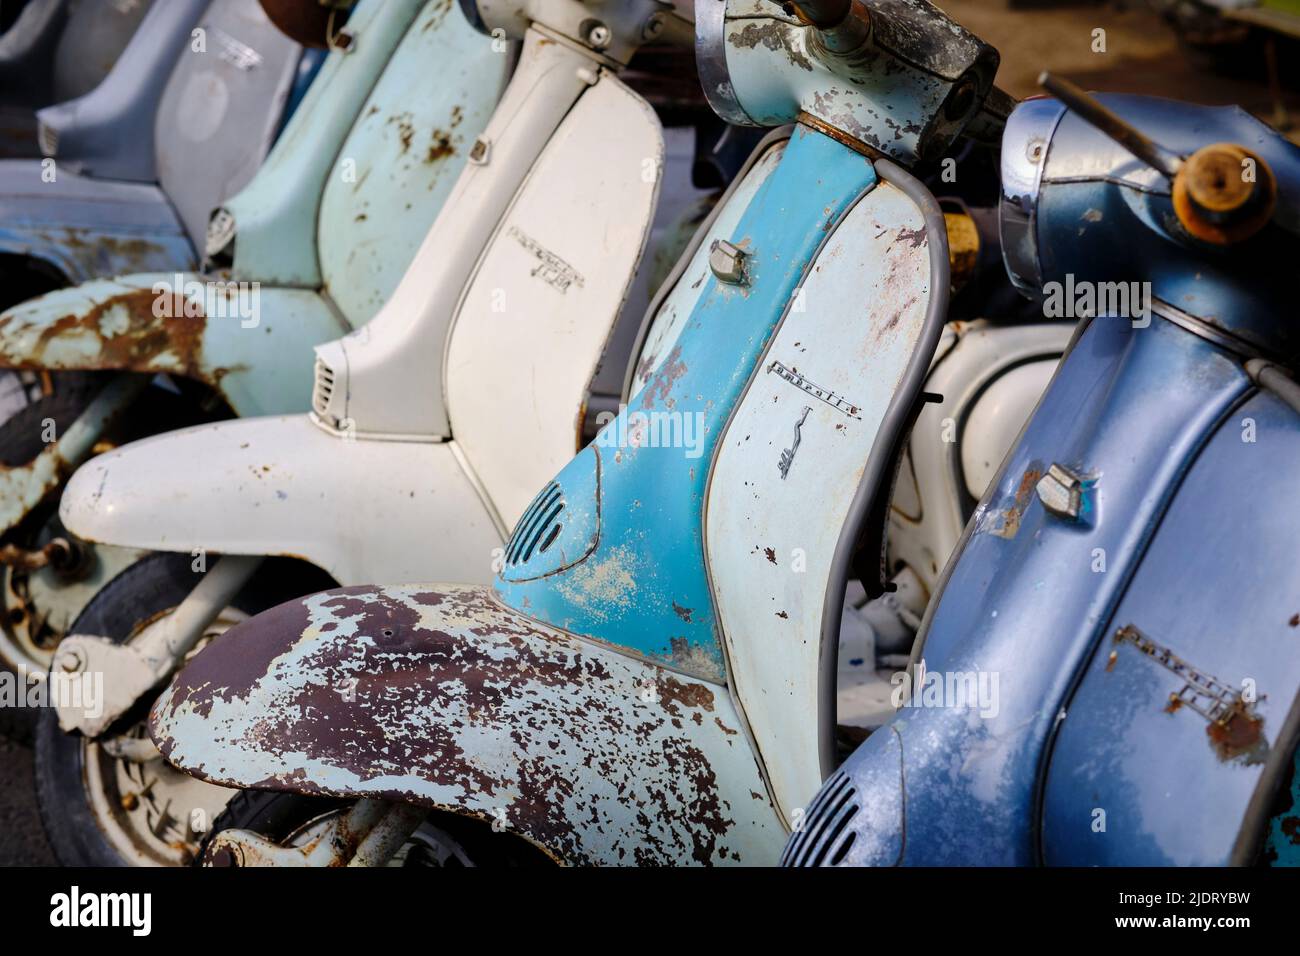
point(253, 346)
point(645, 586)
point(403, 155)
point(276, 214)
point(361, 510)
point(802, 434)
point(592, 755)
point(221, 109)
point(87, 228)
point(1029, 591)
point(679, 305)
point(92, 40)
point(109, 132)
point(1153, 747)
point(534, 319)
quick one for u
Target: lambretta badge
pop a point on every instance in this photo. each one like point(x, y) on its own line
point(552, 270)
point(835, 401)
point(239, 55)
point(73, 909)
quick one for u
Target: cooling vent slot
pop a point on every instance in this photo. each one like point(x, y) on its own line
point(47, 138)
point(323, 390)
point(538, 528)
point(822, 840)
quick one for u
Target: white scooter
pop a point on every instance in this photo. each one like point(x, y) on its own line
point(430, 426)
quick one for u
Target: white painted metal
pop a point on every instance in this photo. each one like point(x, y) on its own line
point(129, 670)
point(387, 376)
point(361, 510)
point(991, 377)
point(852, 334)
point(534, 321)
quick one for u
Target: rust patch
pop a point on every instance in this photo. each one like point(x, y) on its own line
point(368, 681)
point(1005, 523)
point(124, 333)
point(775, 36)
point(660, 387)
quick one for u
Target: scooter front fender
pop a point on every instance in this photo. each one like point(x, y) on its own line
point(361, 510)
point(440, 696)
point(252, 345)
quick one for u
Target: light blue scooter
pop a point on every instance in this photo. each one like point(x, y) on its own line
point(646, 680)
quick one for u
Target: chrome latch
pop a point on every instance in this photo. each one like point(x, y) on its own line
point(727, 261)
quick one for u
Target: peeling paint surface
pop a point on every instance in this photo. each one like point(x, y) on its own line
point(833, 370)
point(403, 155)
point(261, 364)
point(650, 556)
point(442, 697)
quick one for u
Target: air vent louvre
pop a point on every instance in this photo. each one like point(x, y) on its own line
point(323, 390)
point(538, 527)
point(47, 139)
point(822, 839)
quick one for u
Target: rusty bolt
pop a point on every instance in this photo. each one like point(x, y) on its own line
point(71, 660)
point(226, 856)
point(130, 801)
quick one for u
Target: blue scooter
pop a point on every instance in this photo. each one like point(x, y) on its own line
point(1108, 674)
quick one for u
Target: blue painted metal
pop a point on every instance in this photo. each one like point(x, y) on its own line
point(1233, 289)
point(1217, 586)
point(624, 591)
point(1144, 657)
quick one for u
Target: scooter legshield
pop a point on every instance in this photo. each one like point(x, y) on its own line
point(445, 698)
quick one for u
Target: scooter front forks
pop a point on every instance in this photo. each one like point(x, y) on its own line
point(368, 834)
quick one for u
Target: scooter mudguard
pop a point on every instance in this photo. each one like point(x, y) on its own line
point(85, 228)
point(445, 698)
point(283, 485)
point(252, 346)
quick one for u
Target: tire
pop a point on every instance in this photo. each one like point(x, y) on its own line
point(136, 596)
point(279, 816)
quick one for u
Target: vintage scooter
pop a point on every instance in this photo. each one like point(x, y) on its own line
point(57, 50)
point(646, 680)
point(1108, 675)
point(549, 220)
point(315, 243)
point(134, 166)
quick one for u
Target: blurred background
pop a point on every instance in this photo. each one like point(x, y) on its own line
point(1243, 52)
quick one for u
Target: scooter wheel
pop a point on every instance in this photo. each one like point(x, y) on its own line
point(443, 840)
point(114, 801)
point(26, 406)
